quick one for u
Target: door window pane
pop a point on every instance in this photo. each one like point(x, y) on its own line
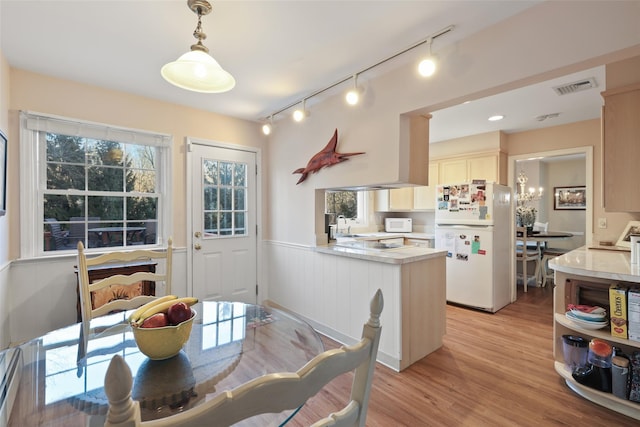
point(224, 198)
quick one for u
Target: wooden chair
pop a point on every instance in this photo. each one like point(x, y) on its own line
point(268, 393)
point(86, 287)
point(549, 254)
point(525, 254)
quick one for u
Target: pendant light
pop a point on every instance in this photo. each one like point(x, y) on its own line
point(196, 70)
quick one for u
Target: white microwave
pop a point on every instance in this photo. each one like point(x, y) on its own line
point(398, 225)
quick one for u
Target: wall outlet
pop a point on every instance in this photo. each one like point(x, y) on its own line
point(602, 222)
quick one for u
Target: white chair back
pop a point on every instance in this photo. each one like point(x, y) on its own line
point(526, 253)
point(271, 393)
point(86, 287)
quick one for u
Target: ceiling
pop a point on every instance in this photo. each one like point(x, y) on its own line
point(279, 52)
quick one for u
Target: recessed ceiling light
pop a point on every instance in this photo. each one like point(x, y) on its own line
point(495, 118)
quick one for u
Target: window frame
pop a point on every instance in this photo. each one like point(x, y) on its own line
point(33, 163)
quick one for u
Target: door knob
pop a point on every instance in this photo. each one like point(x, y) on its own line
point(197, 234)
point(197, 246)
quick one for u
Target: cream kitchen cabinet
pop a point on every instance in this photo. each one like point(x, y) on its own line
point(409, 198)
point(424, 198)
point(620, 148)
point(421, 243)
point(463, 169)
point(393, 200)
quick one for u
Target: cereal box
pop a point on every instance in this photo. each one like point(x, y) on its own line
point(618, 310)
point(633, 313)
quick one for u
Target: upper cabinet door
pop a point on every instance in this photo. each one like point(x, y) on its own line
point(424, 198)
point(621, 149)
point(401, 199)
point(454, 170)
point(485, 167)
point(468, 168)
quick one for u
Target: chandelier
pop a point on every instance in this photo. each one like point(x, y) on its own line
point(524, 196)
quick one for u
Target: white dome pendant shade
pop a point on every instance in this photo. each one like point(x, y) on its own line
point(196, 70)
point(199, 72)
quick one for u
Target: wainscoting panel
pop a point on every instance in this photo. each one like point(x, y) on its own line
point(333, 293)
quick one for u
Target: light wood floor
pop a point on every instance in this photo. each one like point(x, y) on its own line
point(493, 370)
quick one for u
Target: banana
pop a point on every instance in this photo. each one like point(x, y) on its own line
point(135, 316)
point(164, 306)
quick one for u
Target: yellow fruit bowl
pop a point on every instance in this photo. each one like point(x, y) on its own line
point(164, 342)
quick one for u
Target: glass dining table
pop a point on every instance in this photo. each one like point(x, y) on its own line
point(62, 374)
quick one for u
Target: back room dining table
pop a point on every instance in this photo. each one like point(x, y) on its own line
point(62, 374)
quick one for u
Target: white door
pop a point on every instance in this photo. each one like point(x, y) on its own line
point(223, 206)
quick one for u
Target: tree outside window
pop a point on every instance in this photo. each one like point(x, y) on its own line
point(342, 203)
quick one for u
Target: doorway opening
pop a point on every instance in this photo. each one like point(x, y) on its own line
point(550, 170)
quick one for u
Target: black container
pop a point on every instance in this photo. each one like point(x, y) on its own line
point(597, 373)
point(329, 219)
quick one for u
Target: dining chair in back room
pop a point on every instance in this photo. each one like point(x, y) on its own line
point(526, 253)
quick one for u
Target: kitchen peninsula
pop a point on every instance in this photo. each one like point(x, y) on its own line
point(413, 281)
point(583, 276)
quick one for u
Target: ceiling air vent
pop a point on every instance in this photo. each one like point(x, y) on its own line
point(578, 86)
point(544, 117)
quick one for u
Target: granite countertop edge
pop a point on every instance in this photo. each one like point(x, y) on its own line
point(390, 256)
point(594, 262)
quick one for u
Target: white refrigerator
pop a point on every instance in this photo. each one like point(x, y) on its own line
point(473, 224)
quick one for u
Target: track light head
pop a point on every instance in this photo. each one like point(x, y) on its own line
point(353, 95)
point(301, 113)
point(268, 127)
point(427, 67)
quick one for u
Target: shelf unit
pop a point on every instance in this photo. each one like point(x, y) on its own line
point(562, 326)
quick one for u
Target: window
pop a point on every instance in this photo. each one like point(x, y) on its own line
point(350, 204)
point(84, 182)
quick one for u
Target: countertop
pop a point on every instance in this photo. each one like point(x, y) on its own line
point(403, 255)
point(605, 264)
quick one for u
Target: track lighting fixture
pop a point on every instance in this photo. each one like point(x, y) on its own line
point(196, 70)
point(353, 96)
point(427, 67)
point(301, 113)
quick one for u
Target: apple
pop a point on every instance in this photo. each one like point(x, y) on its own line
point(178, 313)
point(158, 320)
